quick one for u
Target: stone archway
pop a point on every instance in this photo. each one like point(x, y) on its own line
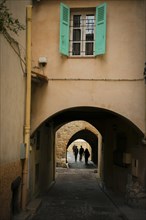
point(69, 132)
point(70, 157)
point(91, 138)
point(56, 131)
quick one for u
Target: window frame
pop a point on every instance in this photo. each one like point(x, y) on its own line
point(83, 13)
point(100, 30)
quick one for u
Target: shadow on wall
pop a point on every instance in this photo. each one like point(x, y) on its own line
point(15, 201)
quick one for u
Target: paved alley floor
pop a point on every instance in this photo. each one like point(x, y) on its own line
point(76, 195)
point(78, 164)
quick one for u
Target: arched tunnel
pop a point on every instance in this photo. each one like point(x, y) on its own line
point(89, 137)
point(120, 138)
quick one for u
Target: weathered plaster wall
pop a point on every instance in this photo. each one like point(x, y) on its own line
point(12, 100)
point(113, 81)
point(8, 173)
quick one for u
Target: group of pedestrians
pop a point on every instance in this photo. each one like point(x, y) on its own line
point(82, 153)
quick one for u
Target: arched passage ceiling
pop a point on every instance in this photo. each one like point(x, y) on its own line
point(86, 135)
point(89, 114)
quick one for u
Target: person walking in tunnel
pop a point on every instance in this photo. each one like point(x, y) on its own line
point(75, 150)
point(87, 155)
point(81, 152)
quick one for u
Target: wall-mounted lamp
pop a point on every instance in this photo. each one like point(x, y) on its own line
point(42, 61)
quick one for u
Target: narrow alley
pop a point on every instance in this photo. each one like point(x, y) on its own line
point(77, 194)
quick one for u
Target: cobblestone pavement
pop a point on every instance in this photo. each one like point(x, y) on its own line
point(76, 195)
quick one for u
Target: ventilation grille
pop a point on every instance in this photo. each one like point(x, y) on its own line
point(65, 14)
point(101, 14)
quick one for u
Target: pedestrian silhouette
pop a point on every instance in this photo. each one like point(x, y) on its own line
point(75, 150)
point(87, 155)
point(81, 152)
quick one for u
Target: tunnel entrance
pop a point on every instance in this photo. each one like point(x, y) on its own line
point(79, 162)
point(115, 146)
point(80, 143)
point(76, 133)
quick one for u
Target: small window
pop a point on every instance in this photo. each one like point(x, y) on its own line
point(83, 32)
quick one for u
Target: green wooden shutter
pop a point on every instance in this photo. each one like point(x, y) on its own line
point(100, 34)
point(64, 29)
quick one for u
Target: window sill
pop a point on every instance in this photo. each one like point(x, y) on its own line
point(77, 57)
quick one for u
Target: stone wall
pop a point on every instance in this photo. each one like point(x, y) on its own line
point(63, 136)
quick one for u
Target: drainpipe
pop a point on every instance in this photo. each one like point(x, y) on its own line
point(145, 72)
point(25, 171)
point(144, 138)
point(100, 159)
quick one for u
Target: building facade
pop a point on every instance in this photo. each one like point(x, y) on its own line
point(101, 81)
point(87, 64)
point(93, 54)
point(12, 112)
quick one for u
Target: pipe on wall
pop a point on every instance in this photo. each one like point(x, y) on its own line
point(25, 171)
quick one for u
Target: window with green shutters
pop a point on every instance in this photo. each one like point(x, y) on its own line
point(83, 33)
point(100, 42)
point(64, 29)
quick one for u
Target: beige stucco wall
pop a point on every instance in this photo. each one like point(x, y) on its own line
point(12, 102)
point(113, 81)
point(12, 105)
